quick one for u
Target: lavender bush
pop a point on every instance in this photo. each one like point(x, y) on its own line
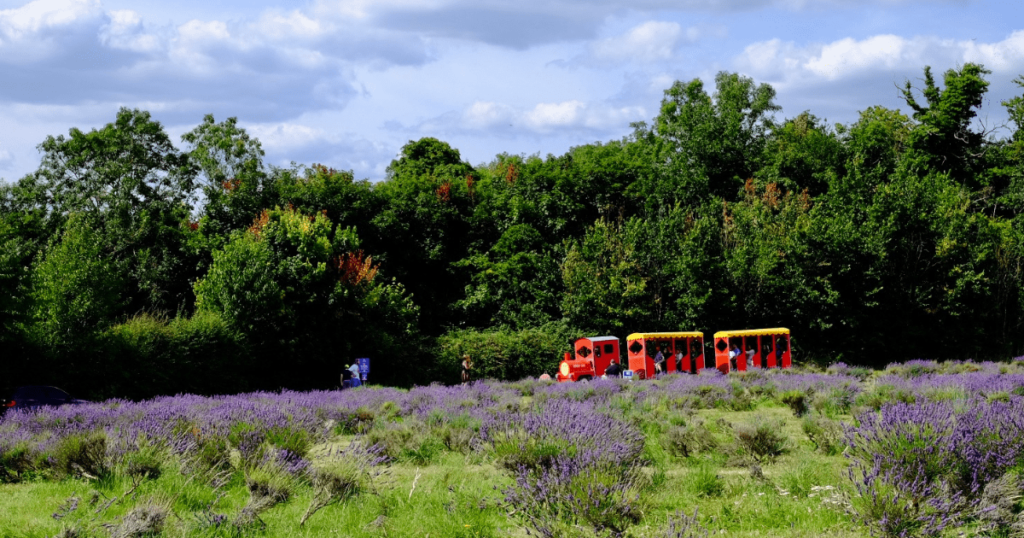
point(918, 467)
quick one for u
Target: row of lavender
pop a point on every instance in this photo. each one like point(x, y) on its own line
point(930, 440)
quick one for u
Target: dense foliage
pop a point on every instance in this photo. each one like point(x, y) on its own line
point(894, 237)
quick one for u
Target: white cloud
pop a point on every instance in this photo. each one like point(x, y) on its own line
point(648, 42)
point(546, 116)
point(1005, 55)
point(484, 114)
point(287, 142)
point(40, 15)
point(126, 32)
point(35, 31)
point(284, 136)
point(506, 120)
point(786, 63)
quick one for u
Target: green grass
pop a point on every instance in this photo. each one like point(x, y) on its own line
point(458, 495)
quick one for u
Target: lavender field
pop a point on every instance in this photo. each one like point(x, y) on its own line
point(919, 449)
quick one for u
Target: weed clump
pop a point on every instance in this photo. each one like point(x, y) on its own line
point(705, 481)
point(15, 462)
point(688, 440)
point(145, 520)
point(81, 455)
point(268, 484)
point(825, 434)
point(796, 400)
point(764, 439)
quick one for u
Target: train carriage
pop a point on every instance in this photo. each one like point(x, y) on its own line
point(755, 348)
point(683, 351)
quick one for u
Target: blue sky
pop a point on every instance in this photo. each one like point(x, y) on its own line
point(347, 82)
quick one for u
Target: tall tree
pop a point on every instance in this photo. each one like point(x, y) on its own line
point(301, 292)
point(945, 136)
point(137, 189)
point(708, 144)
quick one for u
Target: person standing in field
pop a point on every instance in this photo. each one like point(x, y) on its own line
point(355, 374)
point(467, 364)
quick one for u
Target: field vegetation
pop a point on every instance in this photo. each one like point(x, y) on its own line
point(919, 449)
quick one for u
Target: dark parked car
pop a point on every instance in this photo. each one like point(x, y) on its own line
point(31, 397)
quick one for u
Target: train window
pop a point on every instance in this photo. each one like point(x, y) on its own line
point(608, 348)
point(783, 343)
point(635, 347)
point(750, 343)
point(584, 352)
point(721, 345)
point(695, 348)
point(597, 350)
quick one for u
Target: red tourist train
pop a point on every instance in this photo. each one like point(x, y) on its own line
point(679, 352)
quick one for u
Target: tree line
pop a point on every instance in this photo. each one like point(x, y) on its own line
point(131, 266)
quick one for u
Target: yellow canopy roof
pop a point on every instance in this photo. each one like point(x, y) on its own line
point(637, 336)
point(751, 332)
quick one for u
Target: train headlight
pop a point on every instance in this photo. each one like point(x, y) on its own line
point(564, 369)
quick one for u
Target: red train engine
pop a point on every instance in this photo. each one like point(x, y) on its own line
point(589, 359)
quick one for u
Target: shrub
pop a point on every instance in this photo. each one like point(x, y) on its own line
point(81, 455)
point(689, 440)
point(796, 400)
point(505, 354)
point(268, 484)
point(918, 467)
point(998, 509)
point(533, 453)
point(835, 400)
point(201, 354)
point(572, 467)
point(144, 461)
point(742, 399)
point(764, 439)
point(710, 395)
point(293, 439)
point(405, 441)
point(341, 476)
point(885, 394)
point(825, 434)
point(146, 519)
point(15, 461)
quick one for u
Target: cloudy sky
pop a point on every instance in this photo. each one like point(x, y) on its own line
point(347, 82)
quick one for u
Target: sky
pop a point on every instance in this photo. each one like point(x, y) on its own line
point(347, 83)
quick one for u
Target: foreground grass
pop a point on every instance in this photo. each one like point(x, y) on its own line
point(455, 495)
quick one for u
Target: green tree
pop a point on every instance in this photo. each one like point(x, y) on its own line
point(516, 284)
point(708, 144)
point(301, 292)
point(605, 286)
point(137, 189)
point(425, 226)
point(77, 290)
point(235, 183)
point(802, 154)
point(944, 134)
